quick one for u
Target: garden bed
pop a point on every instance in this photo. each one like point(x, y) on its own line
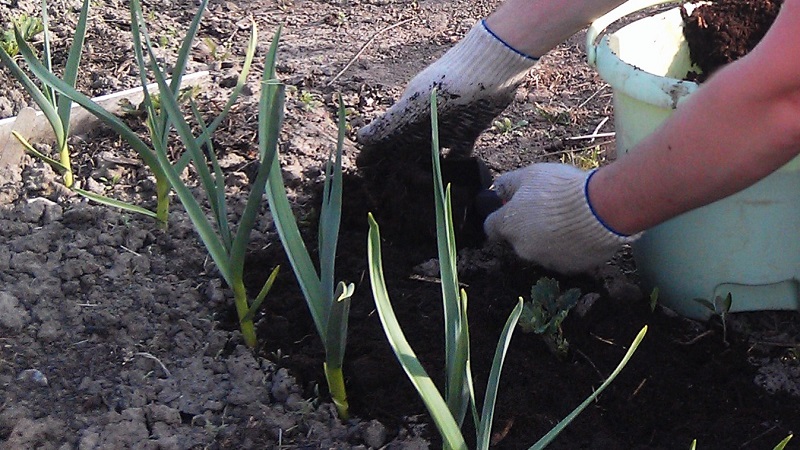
point(116, 334)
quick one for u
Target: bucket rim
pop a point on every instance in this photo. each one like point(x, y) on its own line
point(657, 90)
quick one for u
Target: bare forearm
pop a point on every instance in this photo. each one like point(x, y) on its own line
point(534, 27)
point(738, 128)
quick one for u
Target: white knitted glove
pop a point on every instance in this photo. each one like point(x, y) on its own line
point(476, 81)
point(547, 218)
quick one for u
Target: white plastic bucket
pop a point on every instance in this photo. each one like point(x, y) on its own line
point(747, 244)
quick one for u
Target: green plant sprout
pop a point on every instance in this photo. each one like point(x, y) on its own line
point(653, 299)
point(545, 312)
point(159, 122)
point(328, 301)
point(55, 107)
point(554, 114)
point(448, 412)
point(781, 445)
point(309, 100)
point(29, 27)
point(218, 52)
point(722, 308)
point(505, 125)
point(586, 159)
point(226, 247)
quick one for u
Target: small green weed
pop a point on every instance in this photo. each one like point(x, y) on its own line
point(721, 306)
point(506, 126)
point(554, 114)
point(586, 159)
point(28, 27)
point(218, 52)
point(545, 312)
point(653, 299)
point(309, 100)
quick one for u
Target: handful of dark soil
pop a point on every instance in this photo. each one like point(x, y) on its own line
point(725, 30)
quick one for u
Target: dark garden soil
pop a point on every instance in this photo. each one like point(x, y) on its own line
point(115, 334)
point(726, 30)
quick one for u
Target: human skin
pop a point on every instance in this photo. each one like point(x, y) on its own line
point(737, 128)
point(534, 27)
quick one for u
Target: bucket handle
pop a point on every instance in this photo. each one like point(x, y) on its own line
point(599, 25)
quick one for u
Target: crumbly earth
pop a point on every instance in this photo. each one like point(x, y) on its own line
point(725, 30)
point(117, 334)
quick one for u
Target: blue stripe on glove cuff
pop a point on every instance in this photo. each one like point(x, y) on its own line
point(594, 213)
point(486, 27)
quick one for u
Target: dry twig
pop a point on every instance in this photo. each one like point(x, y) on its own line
point(364, 47)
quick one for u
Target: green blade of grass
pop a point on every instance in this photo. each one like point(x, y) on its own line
point(331, 214)
point(286, 224)
point(38, 97)
point(548, 438)
point(484, 433)
point(73, 63)
point(216, 199)
point(109, 119)
point(103, 200)
point(170, 107)
point(251, 312)
point(161, 122)
point(335, 342)
point(455, 364)
point(336, 339)
point(153, 116)
point(204, 137)
point(32, 150)
point(270, 121)
point(48, 59)
point(440, 412)
point(211, 240)
point(294, 246)
point(269, 131)
point(240, 81)
point(185, 49)
point(782, 444)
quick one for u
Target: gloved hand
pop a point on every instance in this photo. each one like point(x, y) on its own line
point(547, 218)
point(476, 81)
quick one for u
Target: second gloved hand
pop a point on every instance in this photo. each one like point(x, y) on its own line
point(547, 218)
point(476, 81)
